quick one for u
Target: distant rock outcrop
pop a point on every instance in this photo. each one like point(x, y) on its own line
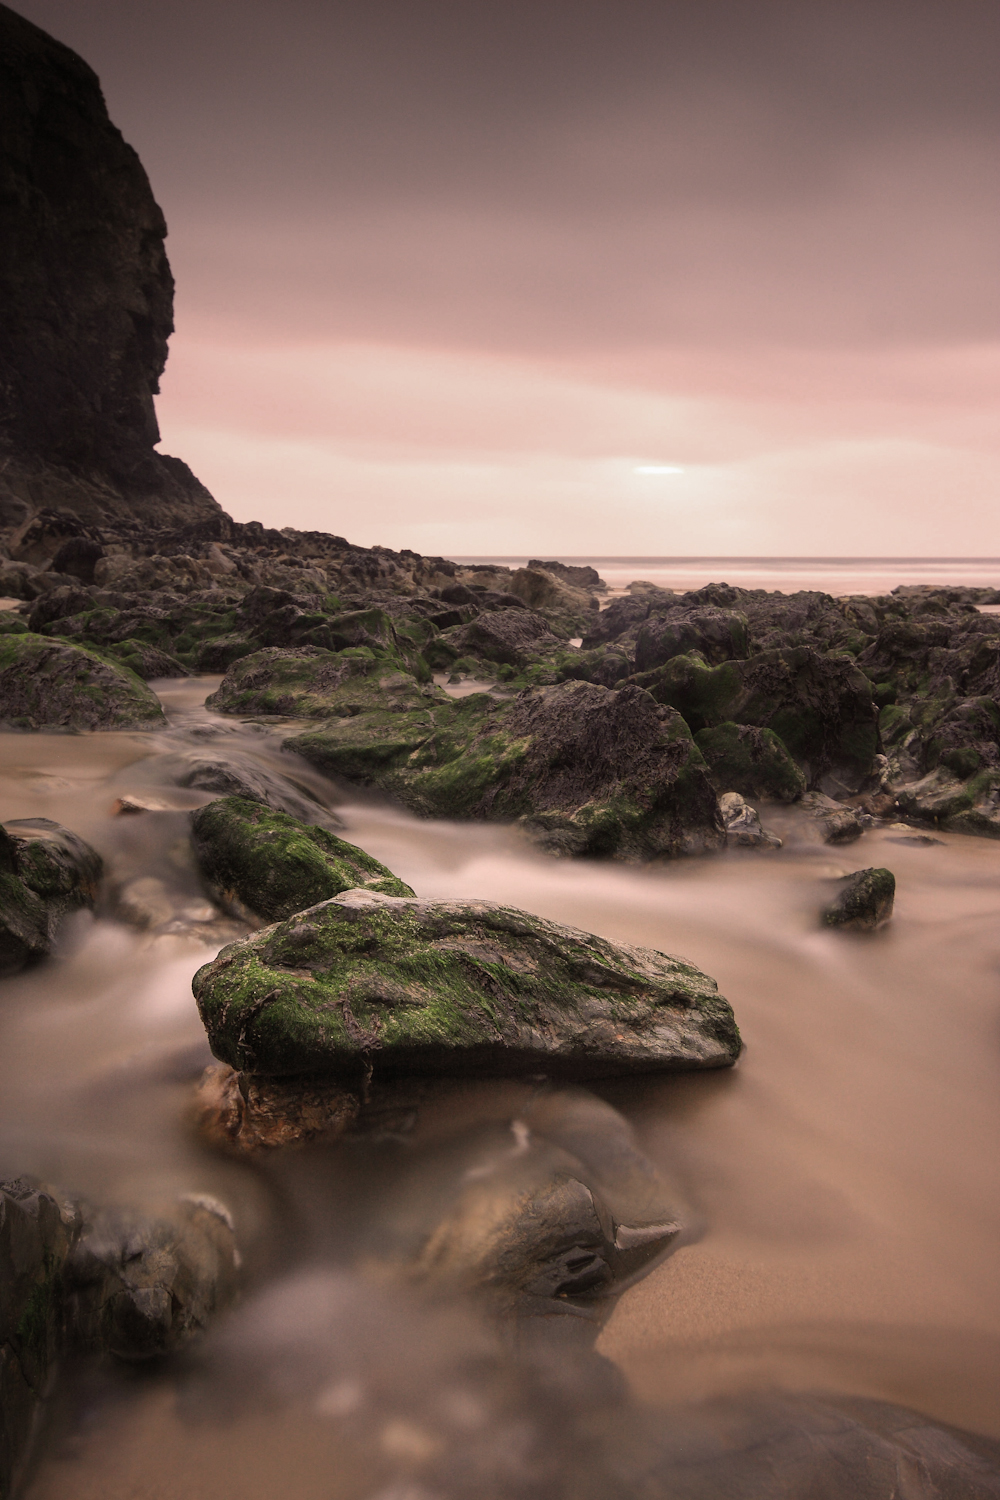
point(87, 299)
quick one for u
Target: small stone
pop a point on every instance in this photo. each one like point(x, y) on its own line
point(743, 826)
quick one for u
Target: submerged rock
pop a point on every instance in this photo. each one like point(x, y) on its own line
point(864, 901)
point(587, 770)
point(272, 865)
point(46, 872)
point(743, 826)
point(837, 823)
point(141, 1286)
point(367, 981)
point(37, 1233)
point(45, 684)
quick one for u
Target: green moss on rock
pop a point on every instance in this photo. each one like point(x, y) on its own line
point(48, 684)
point(309, 682)
point(751, 761)
point(365, 981)
point(274, 865)
point(864, 901)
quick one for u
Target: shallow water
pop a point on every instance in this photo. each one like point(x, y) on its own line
point(840, 1184)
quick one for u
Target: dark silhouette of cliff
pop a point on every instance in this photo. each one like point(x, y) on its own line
point(86, 301)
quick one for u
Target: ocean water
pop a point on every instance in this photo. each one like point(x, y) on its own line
point(833, 575)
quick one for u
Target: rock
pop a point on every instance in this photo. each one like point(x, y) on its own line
point(245, 1113)
point(864, 901)
point(70, 599)
point(819, 705)
point(751, 761)
point(625, 613)
point(247, 778)
point(540, 588)
point(271, 865)
point(45, 684)
point(743, 827)
point(718, 634)
point(46, 872)
point(146, 661)
point(140, 1286)
point(510, 637)
point(579, 576)
point(586, 769)
point(308, 682)
point(837, 823)
point(78, 557)
point(37, 1233)
point(87, 297)
point(367, 981)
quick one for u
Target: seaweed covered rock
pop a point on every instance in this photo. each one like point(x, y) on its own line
point(863, 902)
point(588, 770)
point(506, 637)
point(818, 704)
point(46, 684)
point(751, 761)
point(371, 982)
point(46, 872)
point(718, 634)
point(310, 682)
point(272, 865)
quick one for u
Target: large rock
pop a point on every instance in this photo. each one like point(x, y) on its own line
point(272, 865)
point(47, 685)
point(587, 769)
point(719, 634)
point(309, 682)
point(818, 704)
point(507, 637)
point(46, 872)
point(87, 299)
point(37, 1233)
point(366, 981)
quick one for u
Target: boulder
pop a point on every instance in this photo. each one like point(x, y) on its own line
point(587, 770)
point(45, 684)
point(743, 826)
point(309, 682)
point(367, 982)
point(271, 865)
point(819, 705)
point(718, 634)
point(146, 661)
point(752, 761)
point(622, 614)
point(508, 637)
point(46, 872)
point(863, 902)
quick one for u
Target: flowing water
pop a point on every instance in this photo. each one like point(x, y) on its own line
point(840, 1184)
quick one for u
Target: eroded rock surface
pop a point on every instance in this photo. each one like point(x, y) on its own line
point(46, 684)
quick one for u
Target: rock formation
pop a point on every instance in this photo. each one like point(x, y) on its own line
point(87, 300)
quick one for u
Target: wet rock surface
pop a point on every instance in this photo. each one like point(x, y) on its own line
point(46, 873)
point(864, 901)
point(270, 865)
point(47, 685)
point(371, 982)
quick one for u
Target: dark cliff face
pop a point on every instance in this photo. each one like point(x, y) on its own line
point(86, 296)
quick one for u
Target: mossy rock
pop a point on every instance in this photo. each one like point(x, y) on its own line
point(368, 982)
point(46, 872)
point(144, 660)
point(751, 761)
point(48, 684)
point(588, 770)
point(716, 634)
point(12, 624)
point(272, 865)
point(309, 682)
point(864, 901)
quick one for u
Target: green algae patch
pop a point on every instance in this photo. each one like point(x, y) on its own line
point(272, 865)
point(751, 761)
point(49, 684)
point(370, 983)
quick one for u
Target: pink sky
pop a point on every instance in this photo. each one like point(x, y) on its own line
point(449, 276)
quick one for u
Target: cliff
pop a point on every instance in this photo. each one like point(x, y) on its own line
point(87, 301)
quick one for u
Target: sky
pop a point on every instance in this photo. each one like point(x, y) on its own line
point(574, 277)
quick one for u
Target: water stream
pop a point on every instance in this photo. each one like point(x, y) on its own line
point(841, 1183)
